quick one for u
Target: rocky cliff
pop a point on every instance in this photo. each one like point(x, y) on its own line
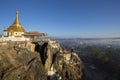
point(20, 64)
point(39, 61)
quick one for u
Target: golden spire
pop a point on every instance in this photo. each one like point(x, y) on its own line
point(16, 26)
point(16, 19)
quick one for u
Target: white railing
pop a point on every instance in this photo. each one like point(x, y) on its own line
point(3, 39)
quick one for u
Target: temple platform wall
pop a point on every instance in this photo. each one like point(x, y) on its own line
point(4, 39)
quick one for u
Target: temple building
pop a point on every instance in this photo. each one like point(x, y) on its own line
point(16, 32)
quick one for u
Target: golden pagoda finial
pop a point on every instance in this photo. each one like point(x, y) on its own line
point(16, 19)
point(17, 12)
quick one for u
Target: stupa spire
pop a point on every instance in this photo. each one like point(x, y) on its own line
point(16, 26)
point(16, 19)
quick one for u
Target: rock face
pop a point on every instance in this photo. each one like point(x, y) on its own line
point(39, 61)
point(59, 63)
point(68, 68)
point(20, 64)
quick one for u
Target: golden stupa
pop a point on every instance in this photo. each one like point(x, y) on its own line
point(15, 30)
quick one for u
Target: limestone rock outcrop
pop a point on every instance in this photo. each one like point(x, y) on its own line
point(20, 64)
point(39, 61)
point(59, 63)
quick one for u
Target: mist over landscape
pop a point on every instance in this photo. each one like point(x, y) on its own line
point(108, 42)
point(100, 56)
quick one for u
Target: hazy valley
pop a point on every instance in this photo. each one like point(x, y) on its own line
point(100, 56)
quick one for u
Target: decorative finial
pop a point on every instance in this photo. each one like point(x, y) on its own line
point(17, 11)
point(16, 19)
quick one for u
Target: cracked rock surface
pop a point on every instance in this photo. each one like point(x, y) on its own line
point(20, 64)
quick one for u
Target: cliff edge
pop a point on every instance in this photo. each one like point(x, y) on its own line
point(46, 61)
